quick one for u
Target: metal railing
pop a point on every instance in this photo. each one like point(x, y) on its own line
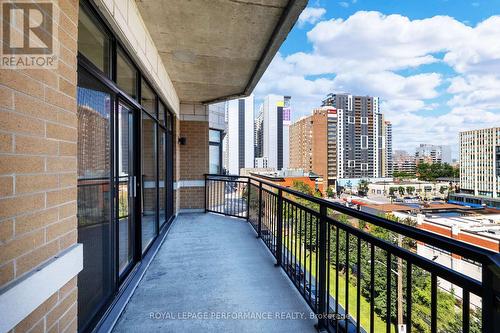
point(360, 272)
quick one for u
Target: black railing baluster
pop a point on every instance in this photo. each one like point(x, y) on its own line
point(321, 262)
point(279, 231)
point(433, 303)
point(358, 291)
point(337, 262)
point(465, 311)
point(206, 194)
point(372, 288)
point(408, 295)
point(259, 220)
point(346, 280)
point(294, 245)
point(388, 296)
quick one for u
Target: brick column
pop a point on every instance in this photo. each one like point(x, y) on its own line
point(193, 156)
point(38, 225)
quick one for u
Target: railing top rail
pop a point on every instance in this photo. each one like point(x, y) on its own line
point(478, 254)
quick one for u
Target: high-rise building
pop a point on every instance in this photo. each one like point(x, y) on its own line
point(274, 121)
point(259, 133)
point(363, 140)
point(388, 155)
point(240, 134)
point(313, 143)
point(480, 162)
point(427, 153)
point(350, 142)
point(300, 140)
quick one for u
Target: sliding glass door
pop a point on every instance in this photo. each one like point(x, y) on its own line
point(149, 186)
point(126, 186)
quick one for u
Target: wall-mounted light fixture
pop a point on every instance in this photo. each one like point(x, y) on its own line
point(182, 141)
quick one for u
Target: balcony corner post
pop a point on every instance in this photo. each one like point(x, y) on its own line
point(279, 227)
point(259, 223)
point(322, 311)
point(248, 199)
point(206, 194)
point(491, 295)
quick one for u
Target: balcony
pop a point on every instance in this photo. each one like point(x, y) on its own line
point(333, 268)
point(212, 265)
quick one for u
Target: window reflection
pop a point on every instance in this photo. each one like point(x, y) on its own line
point(148, 180)
point(148, 98)
point(93, 43)
point(93, 186)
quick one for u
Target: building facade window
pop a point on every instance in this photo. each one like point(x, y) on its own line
point(364, 141)
point(215, 151)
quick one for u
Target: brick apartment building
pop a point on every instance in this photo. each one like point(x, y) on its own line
point(99, 153)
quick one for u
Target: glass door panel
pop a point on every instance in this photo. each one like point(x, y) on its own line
point(149, 188)
point(126, 187)
point(161, 177)
point(96, 280)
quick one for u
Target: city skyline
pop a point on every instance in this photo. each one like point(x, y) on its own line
point(429, 64)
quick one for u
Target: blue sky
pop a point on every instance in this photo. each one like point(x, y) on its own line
point(434, 63)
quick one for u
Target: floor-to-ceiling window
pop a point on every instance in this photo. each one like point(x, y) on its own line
point(149, 212)
point(94, 195)
point(162, 195)
point(125, 165)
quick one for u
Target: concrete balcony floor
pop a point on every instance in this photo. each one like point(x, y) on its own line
point(213, 265)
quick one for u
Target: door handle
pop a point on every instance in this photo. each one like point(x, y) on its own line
point(135, 185)
point(132, 186)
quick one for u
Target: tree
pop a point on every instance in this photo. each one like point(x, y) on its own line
point(401, 190)
point(329, 192)
point(429, 172)
point(392, 191)
point(363, 187)
point(443, 189)
point(410, 189)
point(402, 174)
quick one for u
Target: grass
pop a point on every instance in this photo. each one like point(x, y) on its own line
point(364, 313)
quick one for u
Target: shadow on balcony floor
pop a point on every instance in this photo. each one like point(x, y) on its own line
point(212, 265)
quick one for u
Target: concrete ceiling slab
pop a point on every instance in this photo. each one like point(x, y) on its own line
point(218, 49)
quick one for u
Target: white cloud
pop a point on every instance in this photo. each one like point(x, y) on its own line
point(311, 15)
point(479, 91)
point(390, 43)
point(344, 4)
point(478, 51)
point(366, 54)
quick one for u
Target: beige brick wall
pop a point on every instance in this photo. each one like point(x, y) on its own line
point(38, 173)
point(193, 159)
point(57, 314)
